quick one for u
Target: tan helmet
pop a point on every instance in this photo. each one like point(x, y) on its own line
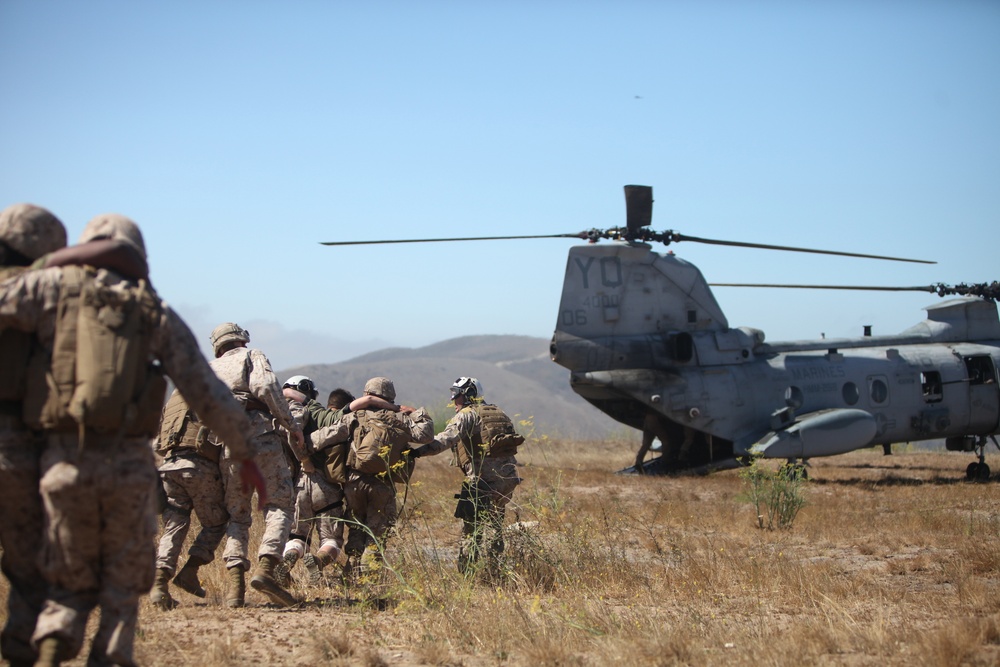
point(31, 230)
point(115, 227)
point(381, 387)
point(228, 332)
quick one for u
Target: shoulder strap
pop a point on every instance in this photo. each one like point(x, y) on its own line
point(64, 345)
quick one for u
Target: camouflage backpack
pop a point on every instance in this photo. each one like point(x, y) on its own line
point(377, 442)
point(332, 463)
point(180, 429)
point(102, 376)
point(497, 437)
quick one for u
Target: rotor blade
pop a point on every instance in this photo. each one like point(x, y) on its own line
point(929, 288)
point(578, 235)
point(676, 236)
point(988, 291)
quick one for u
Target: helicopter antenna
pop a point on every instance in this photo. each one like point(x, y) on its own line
point(988, 291)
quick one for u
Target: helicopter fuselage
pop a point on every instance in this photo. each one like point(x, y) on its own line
point(641, 332)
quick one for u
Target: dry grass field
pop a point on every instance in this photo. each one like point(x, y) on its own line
point(892, 561)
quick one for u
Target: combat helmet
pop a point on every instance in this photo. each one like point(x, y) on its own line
point(31, 231)
point(303, 384)
point(381, 387)
point(228, 332)
point(468, 387)
point(115, 227)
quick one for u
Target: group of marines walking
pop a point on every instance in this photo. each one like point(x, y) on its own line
point(85, 344)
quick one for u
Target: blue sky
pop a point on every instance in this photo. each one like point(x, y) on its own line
point(240, 134)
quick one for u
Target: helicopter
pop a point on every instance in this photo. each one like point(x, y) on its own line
point(646, 342)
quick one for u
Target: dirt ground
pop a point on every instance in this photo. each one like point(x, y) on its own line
point(910, 577)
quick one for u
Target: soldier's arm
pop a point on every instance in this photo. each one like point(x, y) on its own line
point(331, 434)
point(447, 439)
point(265, 387)
point(28, 302)
point(298, 445)
point(369, 402)
point(322, 415)
point(421, 426)
point(117, 256)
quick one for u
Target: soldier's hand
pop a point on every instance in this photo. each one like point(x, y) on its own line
point(407, 409)
point(307, 466)
point(252, 478)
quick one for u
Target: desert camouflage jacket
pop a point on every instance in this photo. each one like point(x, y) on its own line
point(29, 303)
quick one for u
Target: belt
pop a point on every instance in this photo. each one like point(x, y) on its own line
point(187, 454)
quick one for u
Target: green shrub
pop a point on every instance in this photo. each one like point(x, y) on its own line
point(776, 495)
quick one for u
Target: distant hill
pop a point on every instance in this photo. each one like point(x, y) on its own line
point(515, 371)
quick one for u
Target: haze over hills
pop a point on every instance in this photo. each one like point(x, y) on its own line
point(515, 371)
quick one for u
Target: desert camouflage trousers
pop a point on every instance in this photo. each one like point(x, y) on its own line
point(20, 536)
point(100, 523)
point(192, 483)
point(371, 502)
point(482, 541)
point(270, 458)
point(319, 504)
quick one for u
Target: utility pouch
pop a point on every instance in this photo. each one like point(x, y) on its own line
point(334, 463)
point(472, 501)
point(466, 507)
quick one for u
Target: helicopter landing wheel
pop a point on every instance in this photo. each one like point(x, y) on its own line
point(977, 472)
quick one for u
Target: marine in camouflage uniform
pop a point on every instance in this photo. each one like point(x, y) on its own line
point(98, 492)
point(191, 482)
point(248, 374)
point(489, 480)
point(26, 233)
point(319, 501)
point(371, 498)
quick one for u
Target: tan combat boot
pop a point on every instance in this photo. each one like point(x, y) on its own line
point(51, 652)
point(187, 578)
point(237, 587)
point(283, 570)
point(315, 564)
point(263, 581)
point(160, 595)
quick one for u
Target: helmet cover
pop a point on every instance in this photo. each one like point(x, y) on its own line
point(227, 333)
point(31, 230)
point(115, 227)
point(381, 387)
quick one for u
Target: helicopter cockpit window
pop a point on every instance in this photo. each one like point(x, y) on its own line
point(878, 390)
point(680, 346)
point(930, 384)
point(850, 393)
